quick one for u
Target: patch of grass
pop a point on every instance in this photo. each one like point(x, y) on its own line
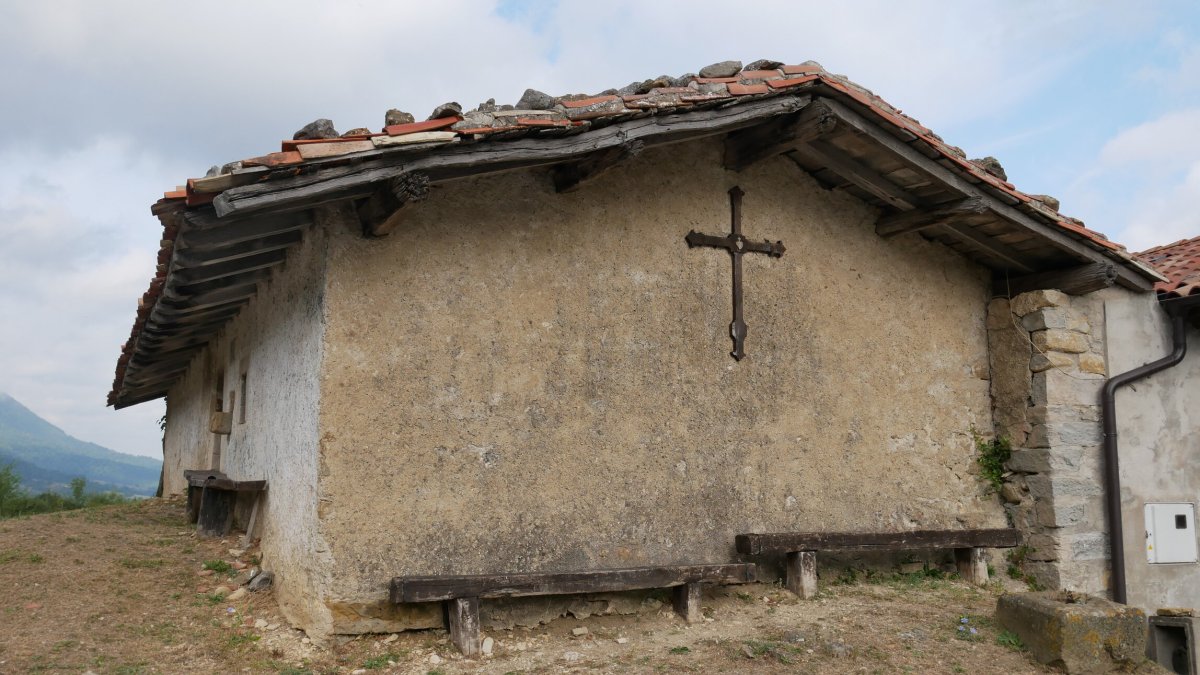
point(993, 453)
point(782, 652)
point(377, 662)
point(847, 577)
point(745, 597)
point(218, 566)
point(136, 564)
point(1011, 640)
point(681, 650)
point(1016, 567)
point(9, 556)
point(240, 639)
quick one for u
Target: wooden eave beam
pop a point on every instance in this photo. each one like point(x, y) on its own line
point(569, 176)
point(207, 234)
point(359, 179)
point(854, 171)
point(216, 255)
point(895, 224)
point(749, 146)
point(955, 183)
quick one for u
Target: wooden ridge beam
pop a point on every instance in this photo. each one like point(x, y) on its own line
point(358, 179)
point(749, 146)
point(380, 213)
point(854, 171)
point(1072, 280)
point(956, 183)
point(569, 176)
point(896, 224)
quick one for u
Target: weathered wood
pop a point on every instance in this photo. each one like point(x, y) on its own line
point(193, 502)
point(750, 146)
point(801, 573)
point(249, 536)
point(207, 271)
point(895, 224)
point(1072, 281)
point(216, 479)
point(216, 512)
point(205, 233)
point(998, 250)
point(1047, 232)
point(854, 171)
point(972, 566)
point(221, 423)
point(380, 213)
point(462, 160)
point(434, 588)
point(754, 544)
point(569, 176)
point(463, 617)
point(686, 601)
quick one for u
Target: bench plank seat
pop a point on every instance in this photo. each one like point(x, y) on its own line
point(435, 588)
point(755, 544)
point(801, 549)
point(461, 593)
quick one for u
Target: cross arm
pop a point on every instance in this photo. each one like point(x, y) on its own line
point(695, 239)
point(774, 249)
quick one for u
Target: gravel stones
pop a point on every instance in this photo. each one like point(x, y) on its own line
point(314, 130)
point(722, 69)
point(395, 117)
point(533, 99)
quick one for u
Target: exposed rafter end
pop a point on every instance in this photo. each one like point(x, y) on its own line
point(843, 164)
point(750, 146)
point(911, 221)
point(569, 177)
point(380, 213)
point(1072, 280)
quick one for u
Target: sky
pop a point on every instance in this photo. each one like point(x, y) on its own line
point(106, 105)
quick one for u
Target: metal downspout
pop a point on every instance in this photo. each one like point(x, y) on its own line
point(1112, 477)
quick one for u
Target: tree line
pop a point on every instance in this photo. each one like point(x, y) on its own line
point(15, 500)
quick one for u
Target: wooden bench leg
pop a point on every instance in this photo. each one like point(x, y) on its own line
point(463, 616)
point(687, 602)
point(802, 573)
point(971, 565)
point(216, 512)
point(193, 503)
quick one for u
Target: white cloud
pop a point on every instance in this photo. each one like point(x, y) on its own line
point(1168, 143)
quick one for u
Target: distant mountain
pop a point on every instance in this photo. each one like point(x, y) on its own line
point(46, 458)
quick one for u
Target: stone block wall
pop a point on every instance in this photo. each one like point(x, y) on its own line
point(1048, 363)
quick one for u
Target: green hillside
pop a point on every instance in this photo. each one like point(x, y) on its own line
point(46, 458)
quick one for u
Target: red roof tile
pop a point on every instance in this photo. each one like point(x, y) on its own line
point(427, 125)
point(1179, 262)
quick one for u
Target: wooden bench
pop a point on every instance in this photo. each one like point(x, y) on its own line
point(462, 593)
point(213, 497)
point(801, 549)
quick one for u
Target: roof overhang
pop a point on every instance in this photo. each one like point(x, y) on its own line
point(225, 234)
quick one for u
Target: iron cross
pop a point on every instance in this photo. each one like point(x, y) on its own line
point(736, 244)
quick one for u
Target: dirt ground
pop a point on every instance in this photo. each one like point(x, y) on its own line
point(119, 590)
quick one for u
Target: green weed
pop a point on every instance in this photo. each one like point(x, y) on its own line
point(993, 453)
point(1011, 640)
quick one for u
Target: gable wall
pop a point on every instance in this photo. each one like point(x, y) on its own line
point(517, 380)
point(277, 341)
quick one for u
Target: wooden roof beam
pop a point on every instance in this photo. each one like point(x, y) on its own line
point(952, 181)
point(380, 213)
point(854, 171)
point(990, 246)
point(896, 224)
point(569, 176)
point(749, 146)
point(1072, 280)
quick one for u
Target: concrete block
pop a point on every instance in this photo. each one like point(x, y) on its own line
point(1075, 632)
point(1053, 387)
point(1057, 433)
point(1059, 515)
point(1172, 643)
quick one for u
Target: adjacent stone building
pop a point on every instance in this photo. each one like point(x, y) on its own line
point(500, 340)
